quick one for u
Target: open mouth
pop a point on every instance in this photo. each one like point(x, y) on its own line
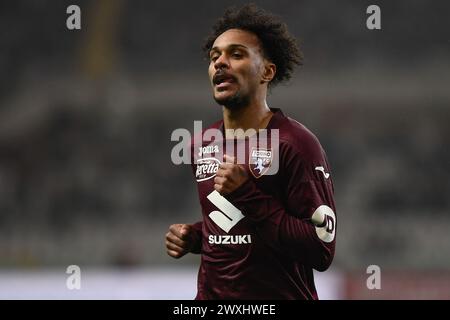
point(222, 79)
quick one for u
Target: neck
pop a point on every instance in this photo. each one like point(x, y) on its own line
point(256, 115)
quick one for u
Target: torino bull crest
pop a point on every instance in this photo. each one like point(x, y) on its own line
point(260, 161)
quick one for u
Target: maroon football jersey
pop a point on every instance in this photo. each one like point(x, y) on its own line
point(259, 242)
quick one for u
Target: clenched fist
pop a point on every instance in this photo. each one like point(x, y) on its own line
point(181, 239)
point(230, 176)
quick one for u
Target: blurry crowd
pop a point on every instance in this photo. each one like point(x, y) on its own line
point(82, 180)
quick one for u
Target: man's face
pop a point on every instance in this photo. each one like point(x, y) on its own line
point(236, 66)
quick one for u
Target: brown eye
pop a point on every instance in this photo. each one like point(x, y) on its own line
point(214, 57)
point(236, 54)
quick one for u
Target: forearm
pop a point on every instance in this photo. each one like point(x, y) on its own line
point(282, 231)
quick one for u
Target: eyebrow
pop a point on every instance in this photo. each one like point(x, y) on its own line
point(229, 47)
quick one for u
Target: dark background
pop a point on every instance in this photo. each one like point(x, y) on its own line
point(86, 117)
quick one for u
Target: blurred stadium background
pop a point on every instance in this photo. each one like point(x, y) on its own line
point(86, 116)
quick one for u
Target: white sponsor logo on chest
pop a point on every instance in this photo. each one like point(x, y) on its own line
point(230, 239)
point(207, 150)
point(206, 168)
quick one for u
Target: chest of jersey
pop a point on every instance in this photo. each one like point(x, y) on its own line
point(222, 216)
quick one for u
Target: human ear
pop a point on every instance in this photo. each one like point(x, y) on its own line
point(269, 72)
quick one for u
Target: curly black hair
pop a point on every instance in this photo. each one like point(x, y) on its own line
point(278, 45)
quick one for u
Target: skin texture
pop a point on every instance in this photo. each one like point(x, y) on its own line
point(237, 57)
point(180, 239)
point(239, 54)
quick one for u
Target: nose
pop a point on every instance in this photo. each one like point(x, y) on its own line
point(221, 62)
